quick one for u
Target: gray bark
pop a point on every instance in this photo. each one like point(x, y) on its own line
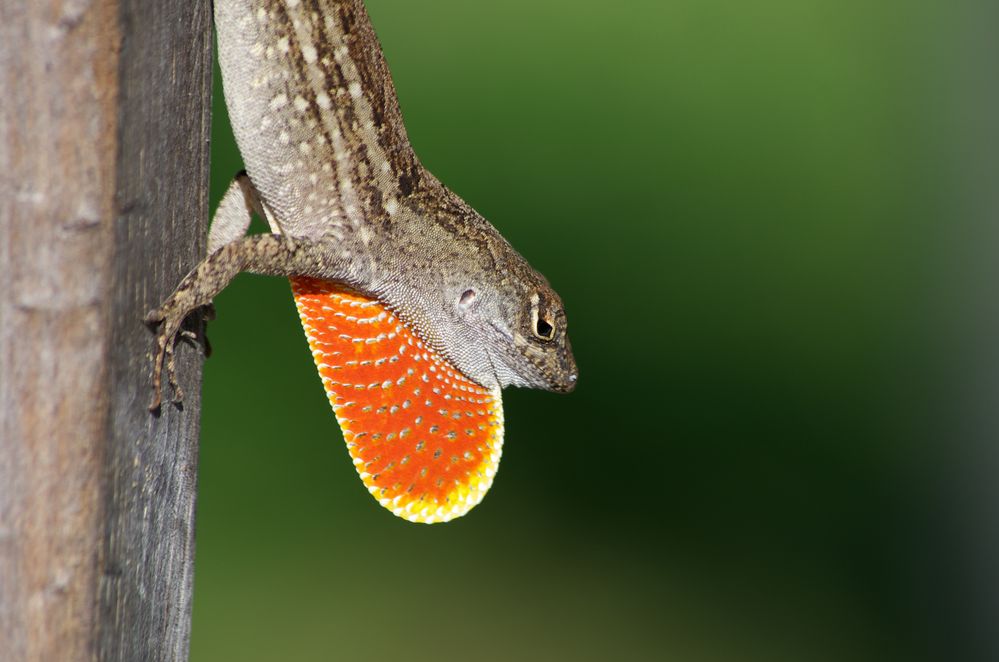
point(103, 202)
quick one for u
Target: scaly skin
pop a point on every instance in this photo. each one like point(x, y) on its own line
point(329, 165)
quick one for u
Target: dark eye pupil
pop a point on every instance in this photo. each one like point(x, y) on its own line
point(545, 329)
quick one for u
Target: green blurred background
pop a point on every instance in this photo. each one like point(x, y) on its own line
point(757, 214)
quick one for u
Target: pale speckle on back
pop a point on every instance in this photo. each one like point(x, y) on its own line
point(307, 61)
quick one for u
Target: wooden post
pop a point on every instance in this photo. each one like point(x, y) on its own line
point(104, 131)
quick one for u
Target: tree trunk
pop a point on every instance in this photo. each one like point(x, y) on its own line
point(104, 131)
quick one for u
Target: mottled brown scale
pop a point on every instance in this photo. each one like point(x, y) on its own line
point(331, 169)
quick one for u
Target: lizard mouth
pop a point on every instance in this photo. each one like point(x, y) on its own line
point(565, 383)
point(561, 379)
point(569, 385)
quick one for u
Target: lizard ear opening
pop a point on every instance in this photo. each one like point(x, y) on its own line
point(466, 299)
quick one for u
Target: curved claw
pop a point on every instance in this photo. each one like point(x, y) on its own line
point(198, 339)
point(190, 337)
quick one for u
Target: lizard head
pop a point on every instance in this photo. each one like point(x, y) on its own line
point(517, 326)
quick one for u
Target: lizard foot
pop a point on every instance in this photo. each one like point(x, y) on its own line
point(168, 321)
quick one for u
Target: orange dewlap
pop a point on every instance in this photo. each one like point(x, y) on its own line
point(425, 439)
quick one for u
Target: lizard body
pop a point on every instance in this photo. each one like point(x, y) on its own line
point(356, 220)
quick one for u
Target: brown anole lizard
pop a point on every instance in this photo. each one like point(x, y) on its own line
point(417, 311)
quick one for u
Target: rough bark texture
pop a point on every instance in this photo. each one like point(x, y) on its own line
point(103, 201)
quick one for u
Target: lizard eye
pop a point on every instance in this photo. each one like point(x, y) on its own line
point(543, 329)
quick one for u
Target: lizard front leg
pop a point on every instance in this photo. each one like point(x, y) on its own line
point(267, 254)
point(230, 223)
point(235, 212)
